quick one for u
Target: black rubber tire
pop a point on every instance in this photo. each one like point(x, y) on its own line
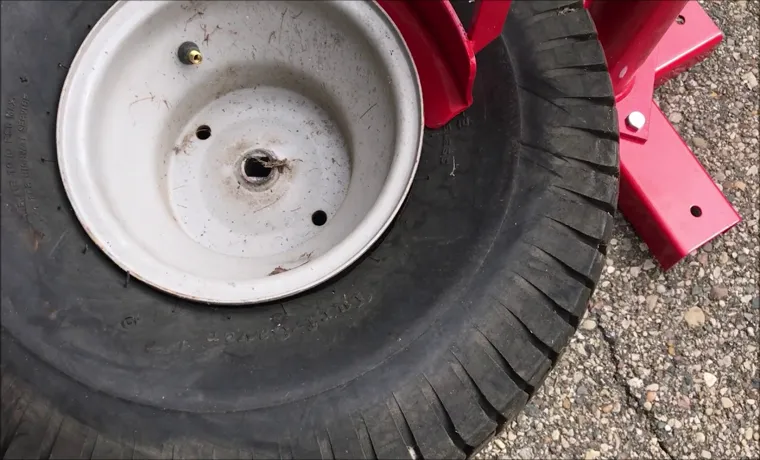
point(424, 348)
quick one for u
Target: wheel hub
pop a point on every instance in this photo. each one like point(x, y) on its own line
point(263, 164)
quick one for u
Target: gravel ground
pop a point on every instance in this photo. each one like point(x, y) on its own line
point(666, 364)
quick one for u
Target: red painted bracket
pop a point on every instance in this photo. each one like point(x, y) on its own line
point(667, 196)
point(665, 193)
point(687, 42)
point(443, 51)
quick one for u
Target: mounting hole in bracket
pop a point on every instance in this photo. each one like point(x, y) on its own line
point(696, 211)
point(680, 19)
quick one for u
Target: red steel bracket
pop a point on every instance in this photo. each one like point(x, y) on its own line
point(665, 193)
point(443, 52)
point(667, 196)
point(686, 43)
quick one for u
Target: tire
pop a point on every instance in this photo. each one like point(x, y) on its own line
point(425, 348)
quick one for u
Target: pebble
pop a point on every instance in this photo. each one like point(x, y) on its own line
point(647, 406)
point(748, 434)
point(706, 454)
point(651, 396)
point(652, 301)
point(726, 403)
point(500, 443)
point(588, 325)
point(718, 293)
point(635, 271)
point(635, 382)
point(751, 80)
point(525, 453)
point(652, 387)
point(592, 454)
point(710, 379)
point(555, 435)
point(661, 289)
point(699, 437)
point(648, 265)
point(675, 117)
point(723, 258)
point(699, 142)
point(694, 317)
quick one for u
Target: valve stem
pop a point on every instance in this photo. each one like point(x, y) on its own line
point(189, 54)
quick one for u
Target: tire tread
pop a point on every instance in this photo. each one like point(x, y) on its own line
point(525, 318)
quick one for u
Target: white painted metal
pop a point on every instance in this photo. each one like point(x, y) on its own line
point(324, 93)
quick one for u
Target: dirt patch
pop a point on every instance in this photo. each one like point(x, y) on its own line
point(182, 147)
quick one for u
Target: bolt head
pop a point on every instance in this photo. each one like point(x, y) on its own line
point(635, 121)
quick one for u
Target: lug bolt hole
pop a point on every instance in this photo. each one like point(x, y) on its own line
point(319, 218)
point(255, 168)
point(680, 19)
point(203, 132)
point(696, 211)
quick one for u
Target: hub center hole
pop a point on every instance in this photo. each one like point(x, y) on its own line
point(256, 168)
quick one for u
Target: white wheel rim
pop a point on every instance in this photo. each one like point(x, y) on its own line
point(176, 211)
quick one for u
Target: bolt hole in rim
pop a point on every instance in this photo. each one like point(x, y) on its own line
point(230, 218)
point(319, 218)
point(696, 211)
point(203, 132)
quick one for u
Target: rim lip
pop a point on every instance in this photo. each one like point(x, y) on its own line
point(65, 119)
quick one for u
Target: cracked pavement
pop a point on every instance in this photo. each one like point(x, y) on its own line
point(665, 364)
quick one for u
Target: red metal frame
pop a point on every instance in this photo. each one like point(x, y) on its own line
point(443, 51)
point(664, 191)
